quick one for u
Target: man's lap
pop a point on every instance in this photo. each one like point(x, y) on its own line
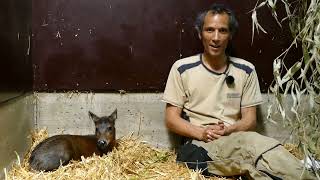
point(237, 153)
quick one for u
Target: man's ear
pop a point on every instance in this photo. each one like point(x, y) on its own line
point(230, 37)
point(199, 35)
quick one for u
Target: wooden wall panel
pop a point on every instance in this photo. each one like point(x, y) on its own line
point(15, 62)
point(107, 45)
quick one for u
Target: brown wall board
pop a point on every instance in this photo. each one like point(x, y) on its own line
point(15, 30)
point(106, 45)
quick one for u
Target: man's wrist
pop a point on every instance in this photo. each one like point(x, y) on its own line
point(230, 129)
point(199, 133)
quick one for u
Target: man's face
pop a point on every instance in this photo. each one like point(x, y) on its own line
point(215, 34)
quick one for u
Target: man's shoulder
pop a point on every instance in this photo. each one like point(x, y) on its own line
point(242, 64)
point(188, 60)
point(187, 63)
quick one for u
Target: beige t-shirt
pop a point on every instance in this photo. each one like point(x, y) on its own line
point(205, 96)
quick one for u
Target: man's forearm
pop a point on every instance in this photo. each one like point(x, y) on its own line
point(240, 126)
point(246, 123)
point(184, 128)
point(180, 126)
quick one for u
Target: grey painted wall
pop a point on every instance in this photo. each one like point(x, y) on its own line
point(138, 113)
point(16, 123)
point(141, 114)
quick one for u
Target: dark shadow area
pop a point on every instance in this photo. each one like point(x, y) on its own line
point(15, 37)
point(260, 124)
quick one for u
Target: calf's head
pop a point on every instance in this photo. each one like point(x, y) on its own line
point(105, 130)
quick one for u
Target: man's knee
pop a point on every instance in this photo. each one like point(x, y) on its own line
point(194, 156)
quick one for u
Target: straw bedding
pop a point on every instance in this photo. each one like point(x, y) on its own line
point(133, 159)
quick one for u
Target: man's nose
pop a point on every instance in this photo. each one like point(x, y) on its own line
point(215, 36)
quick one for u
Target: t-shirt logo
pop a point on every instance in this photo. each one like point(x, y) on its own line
point(233, 95)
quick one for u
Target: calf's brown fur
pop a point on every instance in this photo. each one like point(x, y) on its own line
point(60, 149)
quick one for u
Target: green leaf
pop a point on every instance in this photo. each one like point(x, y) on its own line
point(291, 72)
point(306, 56)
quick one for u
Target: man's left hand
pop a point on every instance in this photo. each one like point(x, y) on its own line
point(215, 131)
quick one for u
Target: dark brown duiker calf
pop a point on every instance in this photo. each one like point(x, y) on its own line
point(60, 149)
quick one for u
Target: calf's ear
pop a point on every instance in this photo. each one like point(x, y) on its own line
point(114, 115)
point(94, 117)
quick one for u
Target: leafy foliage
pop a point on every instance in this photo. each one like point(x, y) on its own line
point(301, 81)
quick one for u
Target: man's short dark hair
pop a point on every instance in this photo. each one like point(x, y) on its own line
point(217, 9)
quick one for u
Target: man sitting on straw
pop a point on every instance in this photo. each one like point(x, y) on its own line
point(211, 99)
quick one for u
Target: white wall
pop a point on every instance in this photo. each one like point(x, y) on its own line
point(16, 123)
point(138, 113)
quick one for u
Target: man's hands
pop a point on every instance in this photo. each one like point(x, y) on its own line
point(246, 123)
point(213, 131)
point(210, 132)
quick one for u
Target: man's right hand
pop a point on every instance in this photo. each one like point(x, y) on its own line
point(213, 132)
point(184, 128)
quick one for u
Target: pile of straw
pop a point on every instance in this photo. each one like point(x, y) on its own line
point(294, 149)
point(133, 159)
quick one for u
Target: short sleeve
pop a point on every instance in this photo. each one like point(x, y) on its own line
point(174, 92)
point(251, 94)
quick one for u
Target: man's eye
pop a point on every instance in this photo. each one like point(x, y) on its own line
point(223, 30)
point(209, 30)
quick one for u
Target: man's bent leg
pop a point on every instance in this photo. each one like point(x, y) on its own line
point(237, 153)
point(281, 163)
